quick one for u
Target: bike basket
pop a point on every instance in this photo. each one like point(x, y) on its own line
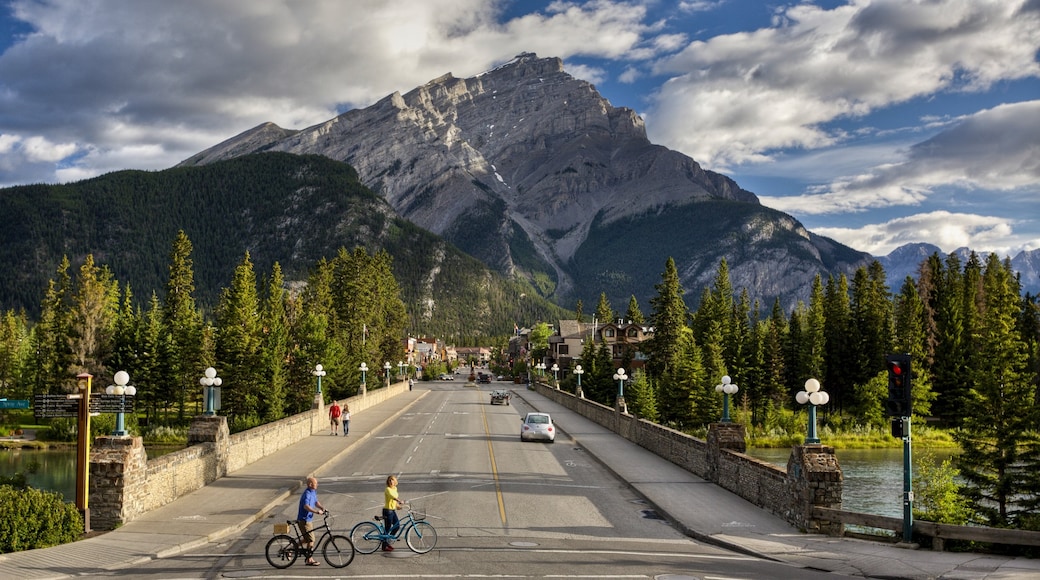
point(419, 514)
point(281, 528)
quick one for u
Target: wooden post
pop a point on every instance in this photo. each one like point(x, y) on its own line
point(83, 381)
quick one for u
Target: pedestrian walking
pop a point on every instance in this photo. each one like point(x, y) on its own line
point(334, 415)
point(346, 419)
point(411, 383)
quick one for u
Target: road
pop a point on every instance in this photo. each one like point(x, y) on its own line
point(502, 508)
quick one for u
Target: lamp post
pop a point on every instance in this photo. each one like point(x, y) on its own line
point(578, 371)
point(814, 397)
point(209, 382)
point(386, 368)
point(400, 369)
point(556, 375)
point(122, 389)
point(727, 388)
point(540, 367)
point(319, 371)
point(364, 369)
point(621, 377)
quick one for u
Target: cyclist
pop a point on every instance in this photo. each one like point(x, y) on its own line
point(309, 505)
point(390, 506)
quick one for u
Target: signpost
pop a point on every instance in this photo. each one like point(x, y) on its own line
point(14, 404)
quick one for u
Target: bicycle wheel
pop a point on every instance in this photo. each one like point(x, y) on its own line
point(421, 537)
point(338, 551)
point(282, 551)
point(366, 537)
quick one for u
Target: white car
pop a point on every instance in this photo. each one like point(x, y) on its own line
point(538, 427)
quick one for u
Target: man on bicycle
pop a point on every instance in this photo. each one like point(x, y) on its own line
point(309, 505)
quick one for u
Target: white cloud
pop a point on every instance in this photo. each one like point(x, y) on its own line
point(108, 75)
point(736, 98)
point(947, 230)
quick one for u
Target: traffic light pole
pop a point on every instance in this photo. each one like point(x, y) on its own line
point(908, 492)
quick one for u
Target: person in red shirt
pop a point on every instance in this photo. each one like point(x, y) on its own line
point(334, 413)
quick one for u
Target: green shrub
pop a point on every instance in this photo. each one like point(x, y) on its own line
point(164, 434)
point(60, 429)
point(30, 519)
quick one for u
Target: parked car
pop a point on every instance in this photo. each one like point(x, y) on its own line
point(500, 397)
point(446, 377)
point(484, 379)
point(538, 427)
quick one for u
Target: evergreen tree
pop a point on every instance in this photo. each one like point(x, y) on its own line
point(579, 313)
point(275, 347)
point(633, 314)
point(238, 347)
point(669, 320)
point(183, 322)
point(604, 313)
point(14, 341)
point(910, 337)
point(837, 346)
point(1001, 450)
point(50, 367)
point(640, 397)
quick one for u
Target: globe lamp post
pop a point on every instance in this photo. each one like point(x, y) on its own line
point(620, 376)
point(124, 390)
point(814, 397)
point(364, 370)
point(556, 375)
point(578, 371)
point(210, 382)
point(727, 388)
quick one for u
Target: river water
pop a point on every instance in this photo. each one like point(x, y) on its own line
point(873, 477)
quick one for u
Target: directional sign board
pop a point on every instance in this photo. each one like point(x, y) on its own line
point(104, 403)
point(14, 403)
point(50, 406)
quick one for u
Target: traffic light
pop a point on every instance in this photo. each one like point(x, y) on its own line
point(899, 400)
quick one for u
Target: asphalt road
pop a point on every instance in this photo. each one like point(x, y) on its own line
point(502, 508)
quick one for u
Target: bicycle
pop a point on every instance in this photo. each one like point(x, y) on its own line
point(283, 549)
point(419, 534)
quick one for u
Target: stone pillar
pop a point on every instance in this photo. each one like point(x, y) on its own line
point(814, 479)
point(723, 436)
point(212, 429)
point(118, 472)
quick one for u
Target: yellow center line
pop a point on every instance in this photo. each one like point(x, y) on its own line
point(494, 466)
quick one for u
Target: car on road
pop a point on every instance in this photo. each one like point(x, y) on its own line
point(446, 377)
point(538, 427)
point(500, 397)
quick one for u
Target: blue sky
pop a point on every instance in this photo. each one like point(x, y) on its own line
point(874, 122)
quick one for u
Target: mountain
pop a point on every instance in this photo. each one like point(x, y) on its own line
point(906, 260)
point(535, 174)
point(290, 209)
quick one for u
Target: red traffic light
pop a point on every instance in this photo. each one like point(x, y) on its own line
point(896, 367)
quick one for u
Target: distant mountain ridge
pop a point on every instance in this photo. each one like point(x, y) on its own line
point(906, 261)
point(534, 173)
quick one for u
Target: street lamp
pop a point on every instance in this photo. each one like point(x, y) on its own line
point(556, 377)
point(122, 389)
point(211, 385)
point(364, 369)
point(400, 369)
point(319, 371)
point(727, 388)
point(621, 377)
point(814, 397)
point(386, 368)
point(578, 371)
point(540, 367)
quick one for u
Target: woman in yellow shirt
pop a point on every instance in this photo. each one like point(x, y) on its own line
point(391, 504)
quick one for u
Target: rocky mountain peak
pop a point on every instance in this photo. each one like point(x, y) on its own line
point(518, 166)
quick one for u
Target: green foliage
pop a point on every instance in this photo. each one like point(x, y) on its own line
point(30, 519)
point(937, 496)
point(59, 429)
point(161, 434)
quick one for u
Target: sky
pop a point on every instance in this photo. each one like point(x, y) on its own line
point(874, 122)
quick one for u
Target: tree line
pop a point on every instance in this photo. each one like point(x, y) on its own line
point(263, 338)
point(973, 337)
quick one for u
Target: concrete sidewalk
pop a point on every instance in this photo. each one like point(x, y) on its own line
point(711, 514)
point(223, 507)
point(702, 510)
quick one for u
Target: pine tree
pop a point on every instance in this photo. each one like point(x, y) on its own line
point(640, 397)
point(633, 314)
point(238, 347)
point(183, 322)
point(604, 313)
point(910, 337)
point(1001, 450)
point(838, 347)
point(274, 347)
